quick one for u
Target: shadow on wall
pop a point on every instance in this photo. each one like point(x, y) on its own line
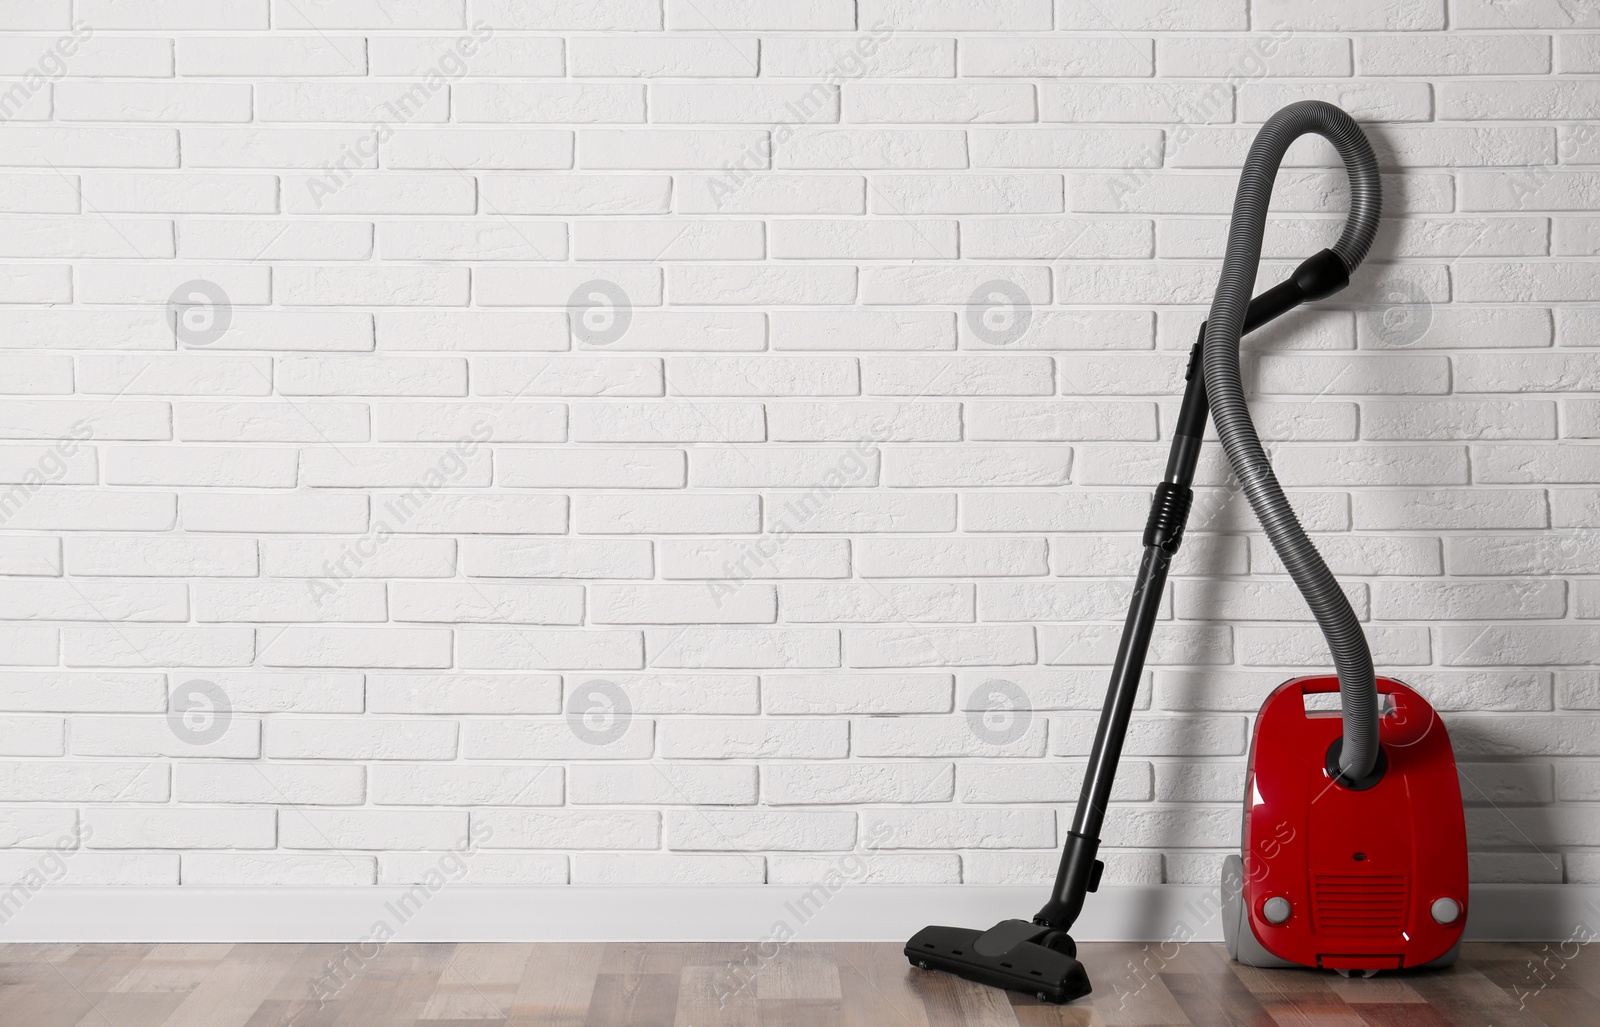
point(1513, 827)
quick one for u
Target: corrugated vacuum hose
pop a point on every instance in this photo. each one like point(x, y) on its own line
point(1351, 658)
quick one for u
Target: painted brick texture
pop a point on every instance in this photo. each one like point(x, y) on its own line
point(651, 441)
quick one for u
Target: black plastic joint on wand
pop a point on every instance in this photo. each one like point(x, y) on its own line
point(1185, 451)
point(1320, 276)
point(1169, 512)
point(1078, 874)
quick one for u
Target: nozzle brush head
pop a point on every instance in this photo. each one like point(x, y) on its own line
point(1024, 966)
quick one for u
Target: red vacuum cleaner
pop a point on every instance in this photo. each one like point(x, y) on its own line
point(1350, 874)
point(1354, 846)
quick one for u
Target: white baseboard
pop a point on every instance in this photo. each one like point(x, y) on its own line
point(733, 913)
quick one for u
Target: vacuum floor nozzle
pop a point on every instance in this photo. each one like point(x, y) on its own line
point(1005, 956)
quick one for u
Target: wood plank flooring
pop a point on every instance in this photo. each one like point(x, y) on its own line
point(797, 985)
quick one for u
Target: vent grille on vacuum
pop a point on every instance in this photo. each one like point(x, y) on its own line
point(1360, 906)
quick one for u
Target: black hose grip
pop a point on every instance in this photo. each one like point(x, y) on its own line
point(1320, 276)
point(1169, 512)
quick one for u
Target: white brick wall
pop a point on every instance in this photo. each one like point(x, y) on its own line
point(669, 439)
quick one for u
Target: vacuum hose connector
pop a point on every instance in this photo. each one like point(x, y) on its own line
point(1322, 275)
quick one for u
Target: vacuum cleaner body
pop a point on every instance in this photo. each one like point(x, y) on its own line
point(1356, 876)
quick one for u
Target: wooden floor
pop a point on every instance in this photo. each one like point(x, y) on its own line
point(798, 985)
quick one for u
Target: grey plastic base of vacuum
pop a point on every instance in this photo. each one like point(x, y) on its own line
point(1241, 940)
point(1448, 959)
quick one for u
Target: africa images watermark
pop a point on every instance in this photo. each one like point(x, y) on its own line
point(199, 312)
point(451, 868)
point(1197, 914)
point(761, 553)
point(999, 311)
point(396, 513)
point(846, 870)
point(199, 712)
point(999, 712)
point(1214, 104)
point(51, 65)
point(1403, 310)
point(599, 712)
point(47, 470)
point(354, 156)
point(50, 868)
point(757, 156)
point(1545, 969)
point(599, 312)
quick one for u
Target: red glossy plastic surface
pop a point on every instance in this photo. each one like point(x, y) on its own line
point(1361, 869)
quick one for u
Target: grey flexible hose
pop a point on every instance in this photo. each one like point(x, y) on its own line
point(1351, 657)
